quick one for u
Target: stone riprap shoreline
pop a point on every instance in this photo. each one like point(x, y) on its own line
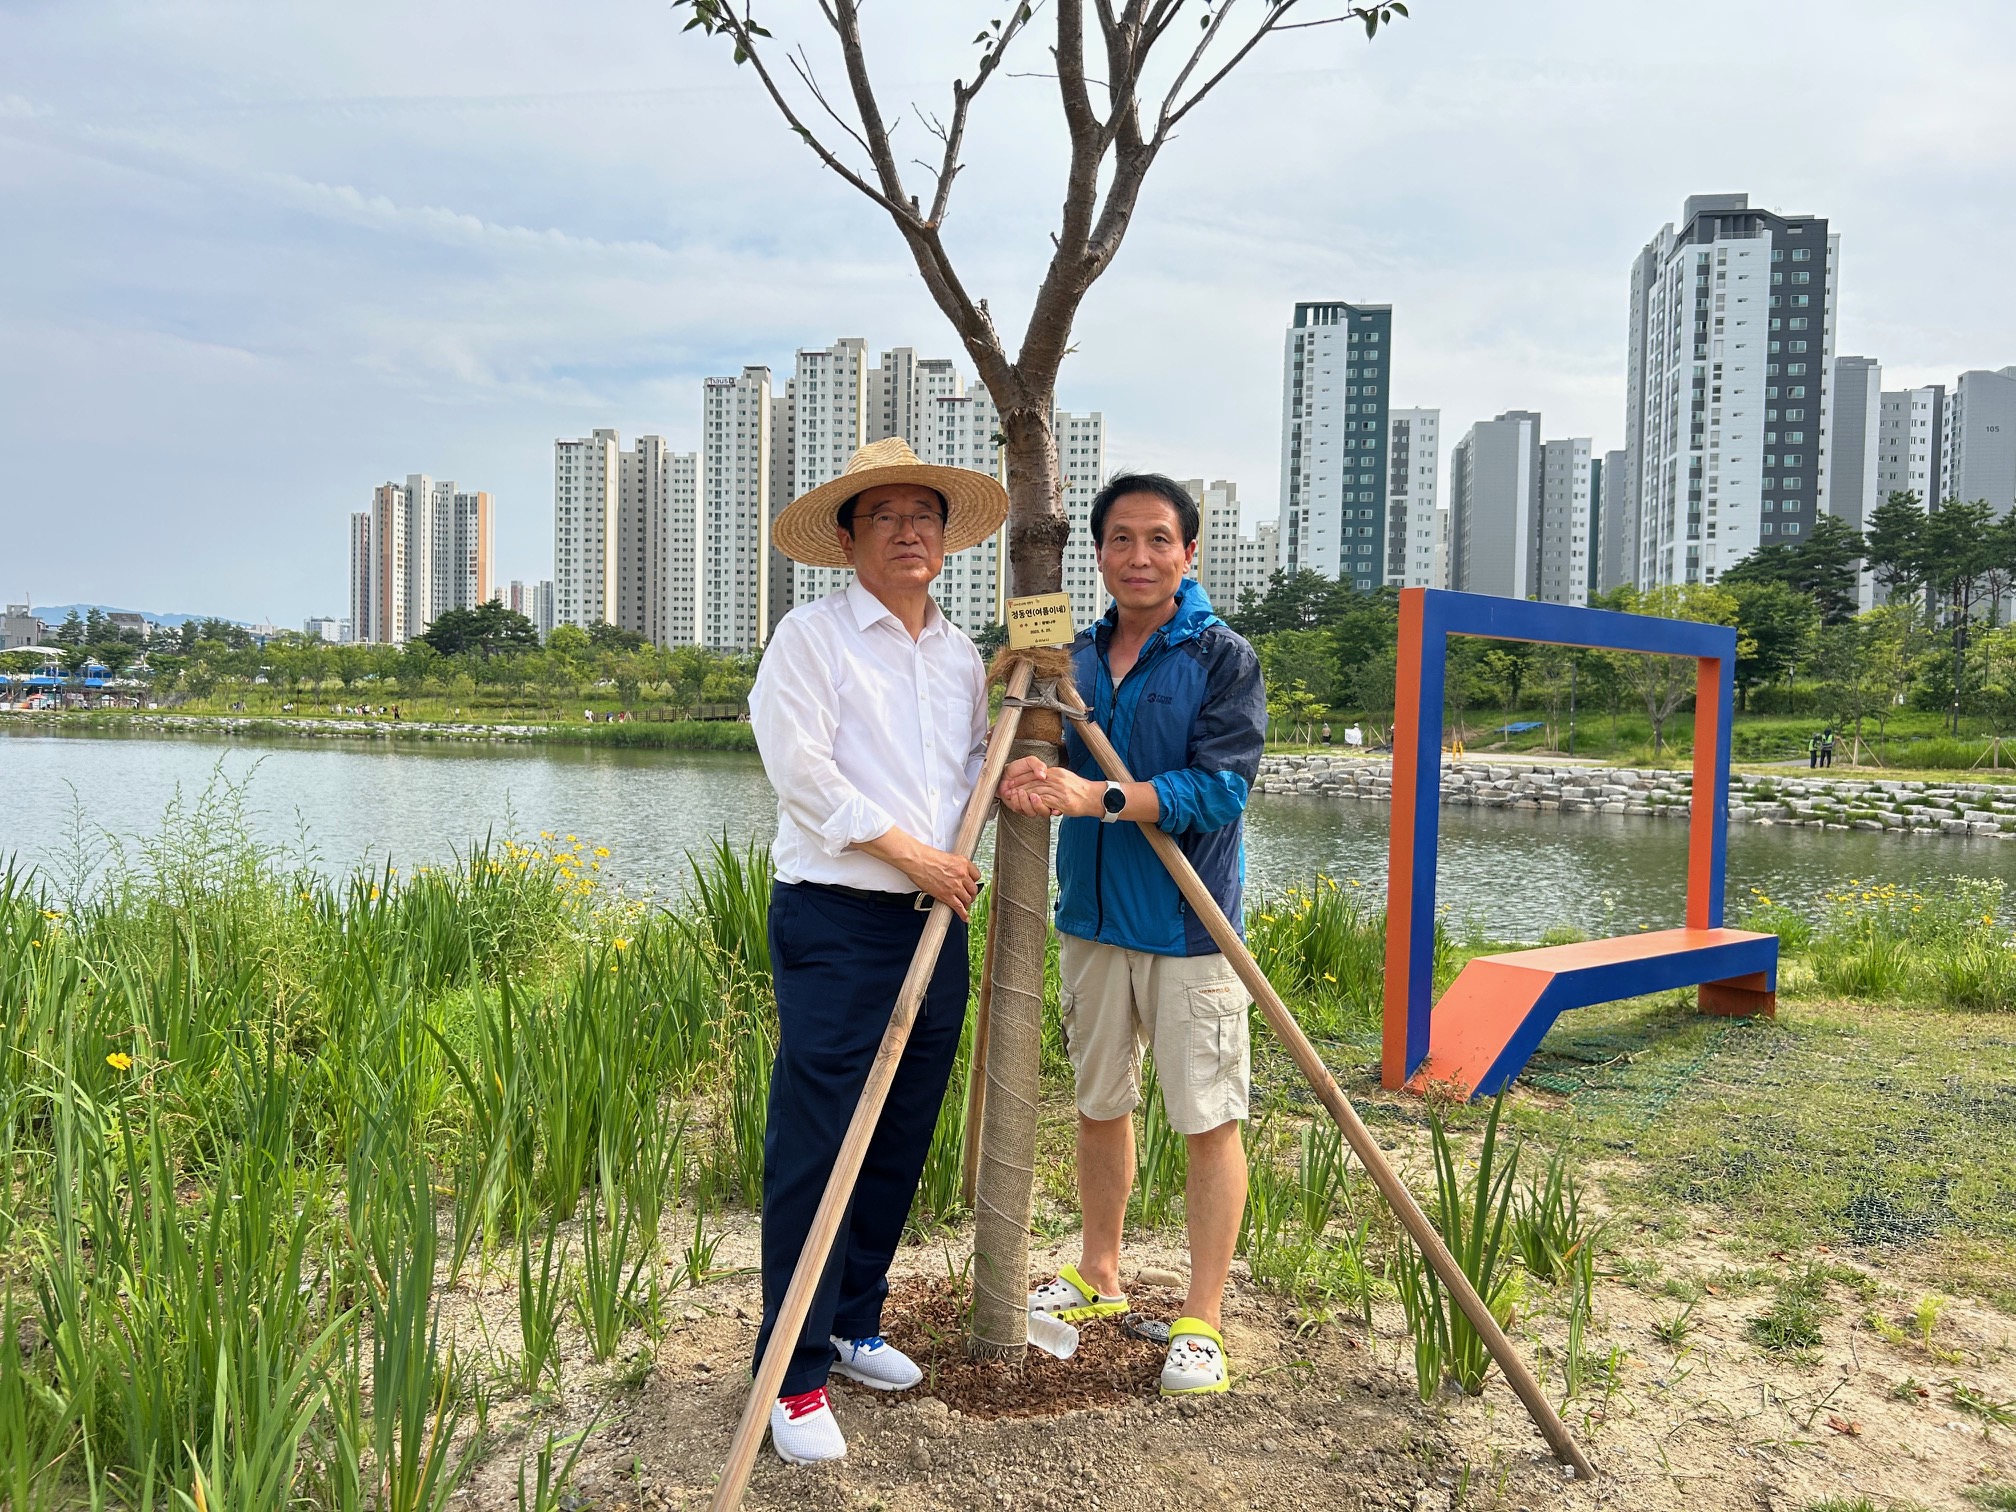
point(1798, 797)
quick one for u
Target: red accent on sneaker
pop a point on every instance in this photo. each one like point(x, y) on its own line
point(805, 1402)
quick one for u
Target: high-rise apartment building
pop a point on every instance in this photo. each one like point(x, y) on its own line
point(1413, 454)
point(964, 430)
point(829, 424)
point(1568, 484)
point(1854, 451)
point(1337, 370)
point(1081, 457)
point(1258, 558)
point(1980, 440)
point(1494, 502)
point(585, 482)
point(1217, 564)
point(736, 463)
point(783, 587)
point(624, 532)
point(1615, 516)
point(1911, 443)
point(1729, 385)
point(422, 549)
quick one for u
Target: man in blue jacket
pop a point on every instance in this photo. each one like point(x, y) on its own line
point(1180, 696)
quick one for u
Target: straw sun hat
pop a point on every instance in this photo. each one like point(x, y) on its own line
point(975, 504)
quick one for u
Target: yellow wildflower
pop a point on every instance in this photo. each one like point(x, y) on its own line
point(602, 850)
point(119, 1061)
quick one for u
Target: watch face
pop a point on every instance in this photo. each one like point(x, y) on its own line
point(1115, 800)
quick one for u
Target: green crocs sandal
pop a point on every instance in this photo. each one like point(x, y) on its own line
point(1196, 1365)
point(1071, 1299)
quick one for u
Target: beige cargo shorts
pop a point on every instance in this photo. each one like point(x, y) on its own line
point(1190, 1009)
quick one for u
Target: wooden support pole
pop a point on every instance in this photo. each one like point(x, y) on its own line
point(976, 1073)
point(1332, 1097)
point(861, 1128)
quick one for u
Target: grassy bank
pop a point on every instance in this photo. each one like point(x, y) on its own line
point(635, 734)
point(343, 1104)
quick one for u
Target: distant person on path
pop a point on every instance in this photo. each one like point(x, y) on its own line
point(1813, 752)
point(1182, 696)
point(870, 711)
point(1326, 732)
point(1827, 747)
point(1354, 736)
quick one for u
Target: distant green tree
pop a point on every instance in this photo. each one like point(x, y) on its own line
point(1664, 683)
point(70, 632)
point(1825, 565)
point(1896, 544)
point(604, 636)
point(1960, 549)
point(488, 630)
point(1306, 658)
point(1778, 623)
point(1298, 601)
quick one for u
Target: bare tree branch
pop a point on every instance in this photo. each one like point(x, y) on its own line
point(738, 30)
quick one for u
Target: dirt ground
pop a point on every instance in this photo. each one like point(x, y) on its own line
point(1323, 1413)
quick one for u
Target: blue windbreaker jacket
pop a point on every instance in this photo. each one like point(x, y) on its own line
point(1190, 716)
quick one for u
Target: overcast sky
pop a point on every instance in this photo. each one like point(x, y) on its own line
point(258, 257)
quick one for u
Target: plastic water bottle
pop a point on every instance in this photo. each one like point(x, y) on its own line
point(1053, 1335)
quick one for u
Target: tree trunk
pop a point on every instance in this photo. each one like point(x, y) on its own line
point(1003, 1193)
point(1037, 523)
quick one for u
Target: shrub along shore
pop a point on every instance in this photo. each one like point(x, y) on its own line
point(331, 1101)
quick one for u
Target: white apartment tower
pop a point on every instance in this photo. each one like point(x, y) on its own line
point(624, 525)
point(1568, 483)
point(964, 430)
point(1494, 502)
point(737, 456)
point(1081, 457)
point(1980, 440)
point(829, 424)
point(783, 469)
point(1413, 453)
point(1258, 559)
point(1729, 388)
point(585, 483)
point(1337, 368)
point(1217, 565)
point(422, 549)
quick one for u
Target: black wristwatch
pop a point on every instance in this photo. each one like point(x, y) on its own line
point(1114, 801)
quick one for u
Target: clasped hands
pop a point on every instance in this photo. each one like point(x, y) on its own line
point(1041, 792)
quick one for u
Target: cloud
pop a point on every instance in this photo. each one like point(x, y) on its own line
point(260, 258)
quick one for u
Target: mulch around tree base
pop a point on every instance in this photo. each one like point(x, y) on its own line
point(926, 1319)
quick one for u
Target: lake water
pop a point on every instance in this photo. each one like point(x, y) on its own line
point(64, 798)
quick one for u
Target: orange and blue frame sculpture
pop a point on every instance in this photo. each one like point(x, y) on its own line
point(1496, 1012)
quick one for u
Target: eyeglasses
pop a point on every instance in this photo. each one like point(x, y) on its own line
point(888, 522)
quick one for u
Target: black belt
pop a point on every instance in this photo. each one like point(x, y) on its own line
point(919, 902)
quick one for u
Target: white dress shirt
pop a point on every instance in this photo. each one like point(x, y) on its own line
point(861, 729)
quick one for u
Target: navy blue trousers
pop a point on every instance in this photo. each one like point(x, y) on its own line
point(838, 963)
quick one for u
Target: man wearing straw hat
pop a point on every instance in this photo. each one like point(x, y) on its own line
point(870, 710)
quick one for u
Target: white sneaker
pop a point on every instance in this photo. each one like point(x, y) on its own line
point(803, 1429)
point(876, 1363)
